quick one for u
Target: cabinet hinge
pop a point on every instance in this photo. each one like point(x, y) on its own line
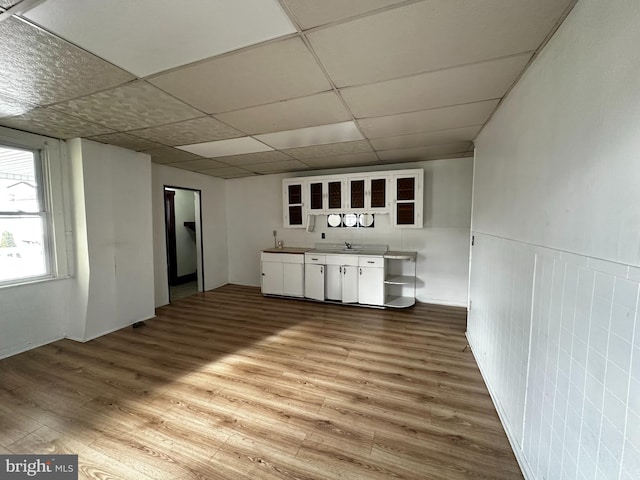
point(473, 240)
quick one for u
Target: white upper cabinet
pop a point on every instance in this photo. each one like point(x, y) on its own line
point(395, 192)
point(368, 193)
point(325, 195)
point(407, 199)
point(293, 210)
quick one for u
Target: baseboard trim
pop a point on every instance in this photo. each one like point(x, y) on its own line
point(522, 461)
point(107, 332)
point(26, 347)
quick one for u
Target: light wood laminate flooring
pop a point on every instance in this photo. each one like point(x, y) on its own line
point(228, 384)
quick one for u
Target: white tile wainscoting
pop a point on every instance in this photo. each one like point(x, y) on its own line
point(555, 335)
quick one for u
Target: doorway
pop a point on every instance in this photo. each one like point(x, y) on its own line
point(184, 241)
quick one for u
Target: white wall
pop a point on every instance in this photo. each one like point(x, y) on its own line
point(35, 314)
point(214, 227)
point(254, 210)
point(185, 211)
point(115, 262)
point(554, 271)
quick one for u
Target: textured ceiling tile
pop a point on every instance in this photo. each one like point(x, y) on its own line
point(38, 68)
point(277, 167)
point(265, 74)
point(149, 36)
point(9, 106)
point(452, 135)
point(454, 86)
point(9, 3)
point(343, 160)
point(302, 153)
point(224, 171)
point(52, 123)
point(170, 155)
point(319, 109)
point(129, 107)
point(430, 35)
point(423, 153)
point(311, 13)
point(196, 165)
point(198, 130)
point(125, 141)
point(254, 158)
point(428, 120)
point(237, 175)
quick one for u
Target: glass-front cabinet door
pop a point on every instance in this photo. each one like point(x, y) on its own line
point(368, 193)
point(325, 196)
point(292, 203)
point(407, 205)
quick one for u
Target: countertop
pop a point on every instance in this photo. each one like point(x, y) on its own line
point(298, 250)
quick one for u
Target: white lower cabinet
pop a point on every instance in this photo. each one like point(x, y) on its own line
point(282, 274)
point(371, 280)
point(342, 278)
point(314, 278)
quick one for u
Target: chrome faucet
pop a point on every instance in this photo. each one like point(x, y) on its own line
point(348, 245)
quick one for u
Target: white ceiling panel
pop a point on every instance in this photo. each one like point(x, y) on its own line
point(440, 137)
point(424, 153)
point(222, 148)
point(428, 120)
point(338, 161)
point(255, 158)
point(454, 86)
point(319, 109)
point(303, 137)
point(149, 36)
point(265, 74)
point(430, 35)
point(200, 164)
point(276, 167)
point(311, 13)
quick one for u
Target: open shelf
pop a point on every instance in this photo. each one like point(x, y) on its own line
point(399, 302)
point(400, 280)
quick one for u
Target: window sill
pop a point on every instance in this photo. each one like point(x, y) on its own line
point(32, 281)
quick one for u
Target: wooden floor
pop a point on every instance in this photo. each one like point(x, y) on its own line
point(227, 384)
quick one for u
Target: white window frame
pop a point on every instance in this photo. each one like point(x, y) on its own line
point(50, 168)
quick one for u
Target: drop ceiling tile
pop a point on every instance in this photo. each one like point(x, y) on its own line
point(303, 137)
point(223, 148)
point(197, 165)
point(49, 122)
point(332, 149)
point(129, 107)
point(454, 86)
point(255, 158)
point(430, 35)
point(125, 141)
point(198, 130)
point(318, 109)
point(226, 171)
point(38, 68)
point(237, 175)
point(10, 107)
point(423, 153)
point(428, 120)
point(277, 167)
point(452, 135)
point(338, 161)
point(256, 76)
point(9, 3)
point(311, 13)
point(155, 35)
point(170, 155)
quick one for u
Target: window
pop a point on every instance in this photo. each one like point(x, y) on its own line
point(25, 251)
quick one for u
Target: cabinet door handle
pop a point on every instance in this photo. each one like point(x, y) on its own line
point(263, 274)
point(321, 270)
point(344, 270)
point(361, 271)
point(340, 269)
point(314, 259)
point(370, 261)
